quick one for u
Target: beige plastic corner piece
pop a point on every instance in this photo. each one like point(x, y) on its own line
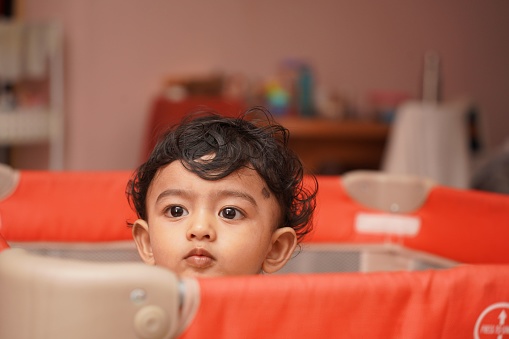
point(43, 298)
point(387, 192)
point(9, 179)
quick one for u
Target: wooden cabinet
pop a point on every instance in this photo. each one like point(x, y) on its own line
point(333, 147)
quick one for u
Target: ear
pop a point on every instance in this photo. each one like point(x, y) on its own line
point(284, 241)
point(142, 239)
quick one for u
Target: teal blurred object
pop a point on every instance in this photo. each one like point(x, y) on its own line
point(305, 95)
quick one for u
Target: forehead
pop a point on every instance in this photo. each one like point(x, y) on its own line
point(175, 175)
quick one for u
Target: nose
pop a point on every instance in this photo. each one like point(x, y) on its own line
point(202, 227)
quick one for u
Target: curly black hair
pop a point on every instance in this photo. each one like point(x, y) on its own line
point(252, 140)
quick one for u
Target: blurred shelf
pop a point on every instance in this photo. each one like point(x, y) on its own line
point(24, 127)
point(40, 41)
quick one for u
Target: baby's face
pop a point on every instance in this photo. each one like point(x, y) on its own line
point(199, 228)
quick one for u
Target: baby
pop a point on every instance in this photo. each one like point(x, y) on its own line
point(221, 196)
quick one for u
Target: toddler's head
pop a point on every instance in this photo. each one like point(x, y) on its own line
point(221, 196)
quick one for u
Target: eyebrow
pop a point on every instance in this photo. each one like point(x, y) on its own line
point(172, 192)
point(237, 194)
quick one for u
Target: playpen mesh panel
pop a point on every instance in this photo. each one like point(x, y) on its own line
point(309, 259)
point(98, 253)
point(337, 258)
point(420, 265)
point(324, 261)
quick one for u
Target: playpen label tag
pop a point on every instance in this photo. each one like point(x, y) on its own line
point(387, 224)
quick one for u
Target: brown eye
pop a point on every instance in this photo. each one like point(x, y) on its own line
point(230, 213)
point(176, 211)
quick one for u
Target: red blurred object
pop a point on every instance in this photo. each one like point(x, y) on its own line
point(3, 244)
point(166, 113)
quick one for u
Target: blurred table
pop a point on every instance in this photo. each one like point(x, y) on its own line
point(336, 146)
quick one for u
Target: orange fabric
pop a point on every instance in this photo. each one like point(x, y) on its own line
point(466, 226)
point(462, 225)
point(67, 206)
point(165, 113)
point(426, 304)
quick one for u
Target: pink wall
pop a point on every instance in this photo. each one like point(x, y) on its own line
point(118, 52)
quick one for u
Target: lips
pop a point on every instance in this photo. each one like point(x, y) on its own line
point(199, 258)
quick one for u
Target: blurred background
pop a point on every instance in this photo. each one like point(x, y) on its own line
point(337, 73)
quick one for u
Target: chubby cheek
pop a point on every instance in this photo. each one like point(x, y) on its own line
point(247, 257)
point(164, 249)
